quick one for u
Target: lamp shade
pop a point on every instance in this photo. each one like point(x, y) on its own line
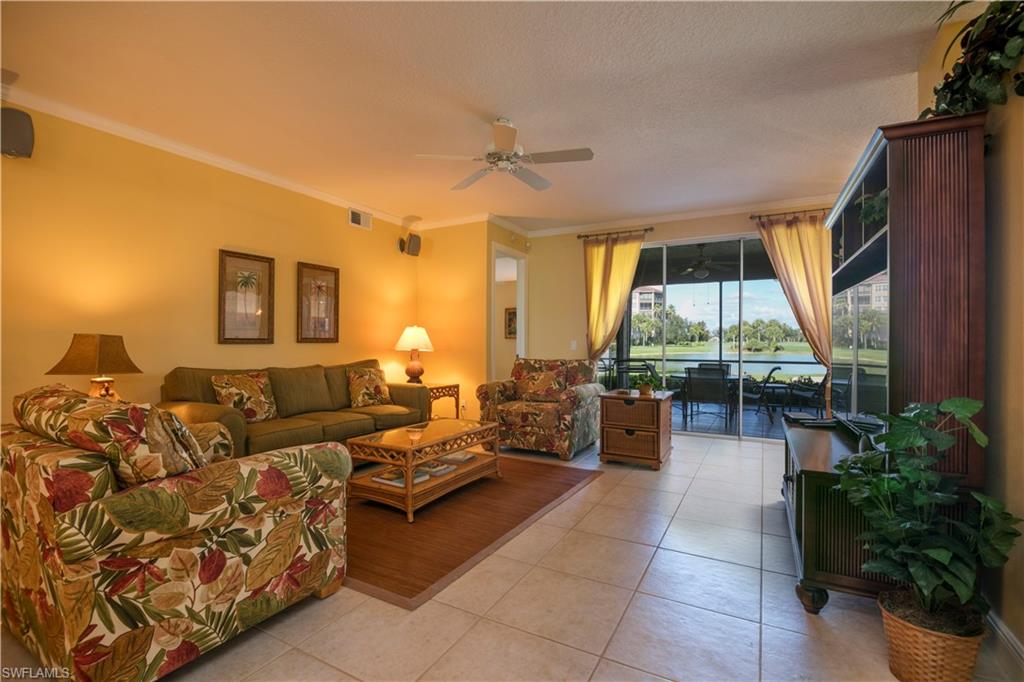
point(414, 338)
point(96, 355)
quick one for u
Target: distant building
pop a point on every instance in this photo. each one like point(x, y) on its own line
point(645, 299)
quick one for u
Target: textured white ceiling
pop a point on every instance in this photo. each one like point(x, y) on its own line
point(687, 107)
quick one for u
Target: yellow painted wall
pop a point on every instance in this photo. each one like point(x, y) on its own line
point(451, 278)
point(101, 234)
point(557, 294)
point(504, 349)
point(1004, 202)
point(455, 277)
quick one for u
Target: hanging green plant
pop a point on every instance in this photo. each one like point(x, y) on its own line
point(992, 46)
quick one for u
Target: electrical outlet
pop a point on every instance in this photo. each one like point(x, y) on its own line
point(462, 407)
point(572, 345)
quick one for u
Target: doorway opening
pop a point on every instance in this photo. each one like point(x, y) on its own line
point(507, 327)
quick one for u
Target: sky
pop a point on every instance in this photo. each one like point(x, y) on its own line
point(761, 299)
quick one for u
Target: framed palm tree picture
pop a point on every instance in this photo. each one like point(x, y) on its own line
point(317, 303)
point(245, 312)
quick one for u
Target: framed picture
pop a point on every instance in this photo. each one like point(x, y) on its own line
point(317, 304)
point(245, 312)
point(510, 323)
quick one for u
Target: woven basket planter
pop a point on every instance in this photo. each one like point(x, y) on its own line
point(918, 654)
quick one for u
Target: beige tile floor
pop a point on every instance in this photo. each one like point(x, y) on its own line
point(680, 574)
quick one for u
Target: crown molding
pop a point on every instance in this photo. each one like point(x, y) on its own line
point(507, 224)
point(687, 215)
point(24, 98)
point(60, 110)
point(426, 225)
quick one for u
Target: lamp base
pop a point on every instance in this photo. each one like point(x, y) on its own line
point(103, 387)
point(414, 370)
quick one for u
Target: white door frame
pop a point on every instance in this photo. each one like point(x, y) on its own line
point(501, 250)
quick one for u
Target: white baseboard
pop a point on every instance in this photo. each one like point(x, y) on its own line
point(1010, 650)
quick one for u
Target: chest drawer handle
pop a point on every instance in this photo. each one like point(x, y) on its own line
point(630, 432)
point(629, 403)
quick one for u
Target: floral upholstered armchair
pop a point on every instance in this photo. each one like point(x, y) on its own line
point(131, 544)
point(547, 405)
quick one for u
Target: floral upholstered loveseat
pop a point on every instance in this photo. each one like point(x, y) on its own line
point(547, 405)
point(110, 581)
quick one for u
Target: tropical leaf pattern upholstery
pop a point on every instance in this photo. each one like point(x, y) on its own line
point(130, 584)
point(214, 440)
point(548, 405)
point(544, 386)
point(250, 393)
point(367, 386)
point(144, 443)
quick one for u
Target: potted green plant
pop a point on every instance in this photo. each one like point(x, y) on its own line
point(644, 382)
point(935, 623)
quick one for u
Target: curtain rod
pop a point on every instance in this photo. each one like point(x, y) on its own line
point(594, 235)
point(773, 215)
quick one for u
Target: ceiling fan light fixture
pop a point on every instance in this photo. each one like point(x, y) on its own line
point(701, 273)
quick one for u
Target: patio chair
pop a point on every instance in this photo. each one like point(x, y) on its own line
point(811, 396)
point(625, 368)
point(757, 392)
point(707, 385)
point(727, 366)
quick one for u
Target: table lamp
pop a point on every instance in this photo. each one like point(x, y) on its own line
point(98, 355)
point(414, 339)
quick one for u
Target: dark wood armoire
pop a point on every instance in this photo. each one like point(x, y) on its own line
point(930, 248)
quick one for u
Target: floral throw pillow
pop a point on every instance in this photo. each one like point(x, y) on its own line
point(367, 386)
point(144, 443)
point(249, 393)
point(541, 386)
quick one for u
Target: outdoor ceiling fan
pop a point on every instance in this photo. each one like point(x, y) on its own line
point(702, 267)
point(505, 156)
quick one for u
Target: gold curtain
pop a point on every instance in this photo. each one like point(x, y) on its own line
point(609, 266)
point(800, 249)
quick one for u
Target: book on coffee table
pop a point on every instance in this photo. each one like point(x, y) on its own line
point(396, 477)
point(460, 457)
point(435, 468)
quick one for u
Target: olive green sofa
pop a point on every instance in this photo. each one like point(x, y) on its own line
point(313, 405)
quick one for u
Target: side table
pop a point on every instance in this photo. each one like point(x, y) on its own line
point(438, 391)
point(636, 429)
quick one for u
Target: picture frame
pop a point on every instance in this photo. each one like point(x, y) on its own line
point(317, 303)
point(510, 323)
point(245, 298)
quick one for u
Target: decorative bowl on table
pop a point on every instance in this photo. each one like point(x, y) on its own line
point(415, 432)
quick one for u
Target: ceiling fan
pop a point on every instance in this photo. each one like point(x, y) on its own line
point(505, 156)
point(701, 268)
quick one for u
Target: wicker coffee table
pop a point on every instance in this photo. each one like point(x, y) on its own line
point(406, 450)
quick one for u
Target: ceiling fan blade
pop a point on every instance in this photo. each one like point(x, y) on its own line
point(530, 178)
point(688, 270)
point(504, 135)
point(448, 157)
point(561, 156)
point(472, 178)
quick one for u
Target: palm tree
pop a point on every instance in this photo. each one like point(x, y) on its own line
point(245, 282)
point(318, 295)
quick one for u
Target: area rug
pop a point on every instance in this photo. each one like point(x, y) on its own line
point(408, 563)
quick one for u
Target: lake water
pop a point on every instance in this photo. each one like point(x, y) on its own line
point(756, 364)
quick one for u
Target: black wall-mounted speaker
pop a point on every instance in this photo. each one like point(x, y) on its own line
point(410, 244)
point(16, 133)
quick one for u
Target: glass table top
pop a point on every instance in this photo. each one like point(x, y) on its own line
point(417, 435)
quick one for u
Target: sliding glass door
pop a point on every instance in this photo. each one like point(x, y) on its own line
point(709, 321)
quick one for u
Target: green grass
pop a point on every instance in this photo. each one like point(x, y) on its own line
point(797, 347)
